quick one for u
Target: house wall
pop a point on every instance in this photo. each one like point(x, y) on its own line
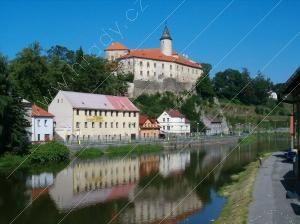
point(119, 125)
point(173, 125)
point(40, 127)
point(149, 130)
point(62, 111)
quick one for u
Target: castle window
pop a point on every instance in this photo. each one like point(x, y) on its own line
point(141, 63)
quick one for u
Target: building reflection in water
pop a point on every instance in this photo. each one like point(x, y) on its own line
point(86, 183)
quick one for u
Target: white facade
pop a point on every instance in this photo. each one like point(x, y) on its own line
point(85, 116)
point(41, 129)
point(173, 125)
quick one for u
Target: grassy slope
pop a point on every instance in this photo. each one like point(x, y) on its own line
point(90, 153)
point(239, 195)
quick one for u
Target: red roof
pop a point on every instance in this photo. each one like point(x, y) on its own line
point(39, 112)
point(144, 118)
point(116, 46)
point(155, 54)
point(174, 113)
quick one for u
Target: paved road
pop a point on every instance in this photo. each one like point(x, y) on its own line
point(270, 204)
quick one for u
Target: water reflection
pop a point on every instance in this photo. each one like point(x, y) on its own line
point(154, 186)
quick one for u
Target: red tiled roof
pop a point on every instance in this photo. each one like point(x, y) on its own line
point(116, 46)
point(174, 113)
point(143, 119)
point(155, 54)
point(39, 112)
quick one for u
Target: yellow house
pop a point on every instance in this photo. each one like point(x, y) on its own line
point(86, 116)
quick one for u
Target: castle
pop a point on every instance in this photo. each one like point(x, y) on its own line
point(156, 69)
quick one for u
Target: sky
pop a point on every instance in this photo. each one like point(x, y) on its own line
point(261, 35)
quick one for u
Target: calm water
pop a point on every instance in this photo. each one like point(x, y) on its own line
point(157, 188)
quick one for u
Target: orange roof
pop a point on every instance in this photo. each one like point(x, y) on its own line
point(39, 112)
point(116, 46)
point(155, 54)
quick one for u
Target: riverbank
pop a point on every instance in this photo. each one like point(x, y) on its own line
point(239, 195)
point(270, 203)
point(90, 153)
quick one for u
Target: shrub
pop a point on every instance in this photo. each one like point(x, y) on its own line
point(49, 152)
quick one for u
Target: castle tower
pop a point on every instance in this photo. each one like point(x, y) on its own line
point(166, 42)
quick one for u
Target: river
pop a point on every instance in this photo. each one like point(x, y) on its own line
point(175, 186)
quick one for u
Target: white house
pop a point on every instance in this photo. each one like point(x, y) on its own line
point(173, 122)
point(41, 125)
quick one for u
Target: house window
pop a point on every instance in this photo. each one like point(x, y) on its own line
point(45, 123)
point(85, 112)
point(93, 124)
point(129, 125)
point(170, 67)
point(148, 64)
point(95, 112)
point(85, 124)
point(123, 124)
point(168, 119)
point(39, 123)
point(171, 75)
point(117, 124)
point(57, 100)
point(123, 114)
point(129, 63)
point(134, 114)
point(111, 124)
point(117, 113)
point(105, 124)
point(141, 63)
point(133, 125)
point(100, 124)
point(168, 127)
point(163, 65)
point(111, 113)
point(154, 65)
point(164, 119)
point(154, 73)
point(105, 113)
point(129, 114)
point(148, 73)
point(90, 112)
point(39, 137)
point(141, 73)
point(77, 112)
point(77, 124)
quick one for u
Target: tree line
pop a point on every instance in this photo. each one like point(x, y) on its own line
point(236, 85)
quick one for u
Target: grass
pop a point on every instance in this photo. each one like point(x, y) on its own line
point(133, 149)
point(37, 156)
point(91, 153)
point(239, 195)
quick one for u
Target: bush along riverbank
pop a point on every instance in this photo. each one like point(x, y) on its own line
point(239, 195)
point(90, 153)
point(38, 155)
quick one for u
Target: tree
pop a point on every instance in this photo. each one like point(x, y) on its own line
point(262, 88)
point(13, 134)
point(29, 72)
point(204, 86)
